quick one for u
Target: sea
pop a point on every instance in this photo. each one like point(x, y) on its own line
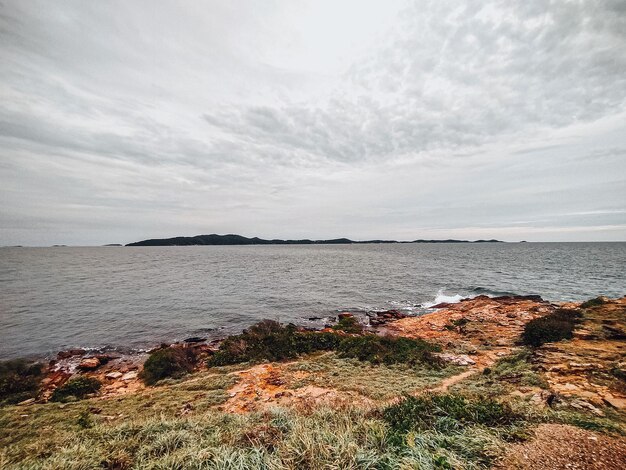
point(133, 298)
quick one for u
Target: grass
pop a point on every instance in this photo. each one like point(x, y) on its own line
point(447, 413)
point(180, 425)
point(376, 382)
point(277, 439)
point(555, 326)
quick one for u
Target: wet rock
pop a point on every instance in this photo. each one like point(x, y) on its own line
point(194, 339)
point(443, 305)
point(345, 315)
point(70, 353)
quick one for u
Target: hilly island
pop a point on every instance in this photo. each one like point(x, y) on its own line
point(231, 239)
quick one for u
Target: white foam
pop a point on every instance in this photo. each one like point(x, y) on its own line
point(443, 298)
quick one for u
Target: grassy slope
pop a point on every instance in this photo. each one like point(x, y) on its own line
point(179, 425)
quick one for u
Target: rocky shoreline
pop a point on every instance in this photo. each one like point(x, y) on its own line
point(474, 333)
point(463, 356)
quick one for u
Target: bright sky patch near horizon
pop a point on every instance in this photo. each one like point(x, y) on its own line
point(121, 121)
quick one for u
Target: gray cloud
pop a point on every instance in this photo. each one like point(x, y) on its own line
point(125, 120)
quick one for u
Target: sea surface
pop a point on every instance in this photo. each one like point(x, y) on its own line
point(130, 298)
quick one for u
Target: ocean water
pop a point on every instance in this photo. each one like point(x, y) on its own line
point(135, 297)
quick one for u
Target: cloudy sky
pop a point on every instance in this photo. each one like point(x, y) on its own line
point(125, 120)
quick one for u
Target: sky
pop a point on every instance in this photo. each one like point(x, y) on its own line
point(127, 120)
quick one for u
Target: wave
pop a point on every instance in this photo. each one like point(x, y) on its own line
point(441, 297)
point(491, 292)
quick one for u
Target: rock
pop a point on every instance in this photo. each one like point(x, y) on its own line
point(460, 360)
point(194, 339)
point(584, 334)
point(130, 375)
point(614, 402)
point(345, 315)
point(70, 353)
point(442, 305)
point(89, 363)
point(113, 375)
point(30, 401)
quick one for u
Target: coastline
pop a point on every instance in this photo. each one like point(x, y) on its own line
point(476, 356)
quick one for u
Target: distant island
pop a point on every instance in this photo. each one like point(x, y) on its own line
point(214, 239)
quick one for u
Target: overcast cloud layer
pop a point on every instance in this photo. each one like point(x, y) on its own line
point(121, 121)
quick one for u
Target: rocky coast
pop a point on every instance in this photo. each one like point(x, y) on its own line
point(561, 395)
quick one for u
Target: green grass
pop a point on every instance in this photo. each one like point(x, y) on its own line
point(180, 425)
point(277, 439)
point(447, 413)
point(377, 382)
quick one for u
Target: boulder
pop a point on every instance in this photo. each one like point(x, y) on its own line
point(89, 363)
point(70, 353)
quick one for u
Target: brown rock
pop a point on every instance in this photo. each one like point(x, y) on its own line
point(70, 353)
point(89, 363)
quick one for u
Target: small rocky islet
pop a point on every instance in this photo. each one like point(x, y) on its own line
point(495, 350)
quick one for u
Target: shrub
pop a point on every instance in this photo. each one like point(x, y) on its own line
point(19, 380)
point(553, 327)
point(166, 362)
point(447, 412)
point(77, 387)
point(593, 303)
point(269, 340)
point(388, 349)
point(349, 325)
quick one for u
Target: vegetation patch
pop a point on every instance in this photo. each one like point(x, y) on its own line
point(389, 350)
point(374, 381)
point(349, 324)
point(555, 326)
point(593, 303)
point(271, 341)
point(165, 363)
point(268, 340)
point(447, 412)
point(78, 387)
point(19, 380)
